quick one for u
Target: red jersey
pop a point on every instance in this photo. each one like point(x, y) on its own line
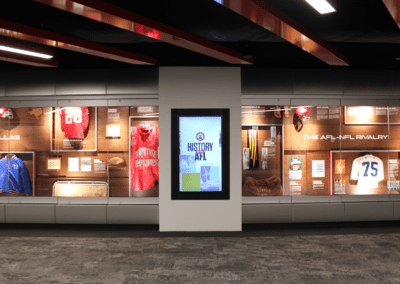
point(144, 157)
point(74, 121)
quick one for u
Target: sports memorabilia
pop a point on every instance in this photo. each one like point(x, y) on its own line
point(144, 157)
point(74, 121)
point(253, 146)
point(14, 175)
point(368, 170)
point(302, 112)
point(277, 112)
point(286, 111)
point(263, 187)
point(6, 112)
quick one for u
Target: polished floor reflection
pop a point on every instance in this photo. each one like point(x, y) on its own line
point(292, 253)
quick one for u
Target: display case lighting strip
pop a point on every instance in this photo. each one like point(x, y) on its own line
point(57, 110)
point(322, 6)
point(271, 110)
point(25, 52)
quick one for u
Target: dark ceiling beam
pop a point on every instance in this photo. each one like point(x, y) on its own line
point(26, 59)
point(268, 17)
point(393, 7)
point(26, 33)
point(121, 18)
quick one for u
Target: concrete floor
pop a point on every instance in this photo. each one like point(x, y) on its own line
point(293, 253)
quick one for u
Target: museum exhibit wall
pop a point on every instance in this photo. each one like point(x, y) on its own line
point(327, 138)
point(75, 177)
point(295, 136)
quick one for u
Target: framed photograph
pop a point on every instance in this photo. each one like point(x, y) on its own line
point(53, 164)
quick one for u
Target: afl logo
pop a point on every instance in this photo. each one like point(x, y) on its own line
point(200, 136)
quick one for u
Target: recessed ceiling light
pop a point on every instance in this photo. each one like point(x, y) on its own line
point(322, 6)
point(25, 52)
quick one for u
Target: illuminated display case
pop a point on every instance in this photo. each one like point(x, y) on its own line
point(286, 151)
point(320, 150)
point(78, 151)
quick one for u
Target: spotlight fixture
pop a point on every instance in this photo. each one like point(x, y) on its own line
point(322, 6)
point(25, 52)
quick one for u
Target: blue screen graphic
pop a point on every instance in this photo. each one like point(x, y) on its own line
point(200, 158)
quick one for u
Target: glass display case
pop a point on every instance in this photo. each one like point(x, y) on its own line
point(79, 151)
point(320, 150)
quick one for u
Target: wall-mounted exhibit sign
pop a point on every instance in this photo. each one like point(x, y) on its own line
point(369, 115)
point(200, 163)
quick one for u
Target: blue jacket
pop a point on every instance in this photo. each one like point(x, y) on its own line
point(14, 175)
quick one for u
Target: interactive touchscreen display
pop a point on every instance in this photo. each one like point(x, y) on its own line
point(200, 154)
point(200, 158)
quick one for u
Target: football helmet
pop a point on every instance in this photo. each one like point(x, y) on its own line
point(6, 112)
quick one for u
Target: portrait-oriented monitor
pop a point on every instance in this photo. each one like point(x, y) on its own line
point(200, 154)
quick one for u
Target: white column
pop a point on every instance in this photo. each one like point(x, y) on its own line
point(200, 87)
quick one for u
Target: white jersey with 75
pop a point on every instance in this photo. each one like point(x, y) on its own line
point(368, 170)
